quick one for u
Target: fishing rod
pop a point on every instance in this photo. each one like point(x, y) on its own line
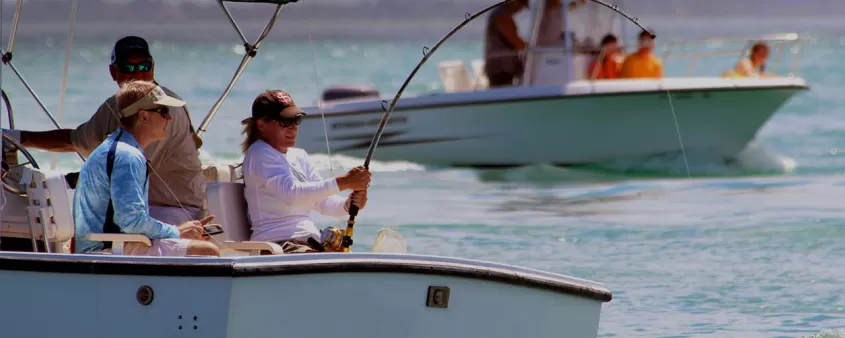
point(346, 242)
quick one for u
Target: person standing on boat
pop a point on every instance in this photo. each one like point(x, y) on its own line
point(642, 63)
point(281, 185)
point(112, 194)
point(502, 45)
point(176, 194)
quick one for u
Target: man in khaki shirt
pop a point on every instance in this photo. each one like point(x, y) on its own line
point(176, 178)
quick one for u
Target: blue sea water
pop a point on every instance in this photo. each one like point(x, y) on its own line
point(741, 250)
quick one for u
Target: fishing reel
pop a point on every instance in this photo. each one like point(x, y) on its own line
point(333, 239)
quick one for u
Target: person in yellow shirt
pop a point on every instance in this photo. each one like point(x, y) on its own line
point(752, 66)
point(642, 63)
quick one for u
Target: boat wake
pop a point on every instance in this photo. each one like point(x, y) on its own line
point(754, 160)
point(839, 333)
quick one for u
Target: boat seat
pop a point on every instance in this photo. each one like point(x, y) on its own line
point(43, 217)
point(219, 173)
point(455, 76)
point(225, 200)
point(480, 81)
point(47, 209)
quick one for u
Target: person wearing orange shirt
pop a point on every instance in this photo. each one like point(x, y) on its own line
point(642, 63)
point(607, 63)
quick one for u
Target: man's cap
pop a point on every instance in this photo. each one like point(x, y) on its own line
point(273, 104)
point(129, 46)
point(156, 97)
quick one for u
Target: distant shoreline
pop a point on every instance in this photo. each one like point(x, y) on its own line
point(364, 30)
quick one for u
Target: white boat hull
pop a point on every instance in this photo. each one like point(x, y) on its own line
point(587, 122)
point(325, 295)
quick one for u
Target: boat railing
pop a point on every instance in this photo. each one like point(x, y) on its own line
point(781, 47)
point(785, 50)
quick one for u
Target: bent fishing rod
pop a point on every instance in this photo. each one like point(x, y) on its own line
point(353, 209)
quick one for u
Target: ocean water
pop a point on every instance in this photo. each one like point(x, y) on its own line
point(746, 249)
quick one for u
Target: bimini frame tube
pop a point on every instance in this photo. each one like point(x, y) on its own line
point(250, 50)
point(7, 60)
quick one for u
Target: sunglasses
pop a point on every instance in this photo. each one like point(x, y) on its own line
point(288, 121)
point(128, 68)
point(164, 111)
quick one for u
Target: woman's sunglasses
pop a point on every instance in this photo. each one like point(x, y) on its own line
point(128, 68)
point(289, 121)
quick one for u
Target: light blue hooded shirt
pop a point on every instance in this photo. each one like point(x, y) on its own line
point(128, 190)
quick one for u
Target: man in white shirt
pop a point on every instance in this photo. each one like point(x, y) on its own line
point(281, 185)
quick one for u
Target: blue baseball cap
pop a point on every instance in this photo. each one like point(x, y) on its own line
point(129, 46)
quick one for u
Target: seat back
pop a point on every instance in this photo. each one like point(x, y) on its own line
point(455, 76)
point(226, 202)
point(219, 173)
point(45, 213)
point(480, 80)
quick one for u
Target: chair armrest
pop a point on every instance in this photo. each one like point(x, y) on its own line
point(119, 239)
point(254, 247)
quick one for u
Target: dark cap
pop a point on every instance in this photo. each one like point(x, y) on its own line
point(273, 104)
point(648, 32)
point(129, 46)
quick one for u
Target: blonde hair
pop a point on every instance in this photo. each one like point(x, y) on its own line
point(252, 135)
point(128, 94)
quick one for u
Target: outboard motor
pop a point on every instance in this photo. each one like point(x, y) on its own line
point(351, 92)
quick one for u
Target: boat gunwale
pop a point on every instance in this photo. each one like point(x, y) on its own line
point(266, 266)
point(368, 106)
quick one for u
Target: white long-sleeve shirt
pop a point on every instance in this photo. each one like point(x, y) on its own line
point(282, 189)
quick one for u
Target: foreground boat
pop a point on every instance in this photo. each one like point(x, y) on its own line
point(558, 115)
point(328, 294)
point(384, 293)
point(356, 295)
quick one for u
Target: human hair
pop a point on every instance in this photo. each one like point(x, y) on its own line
point(758, 45)
point(252, 135)
point(129, 93)
point(610, 38)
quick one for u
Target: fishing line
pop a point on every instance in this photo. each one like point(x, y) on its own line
point(317, 83)
point(678, 131)
point(54, 156)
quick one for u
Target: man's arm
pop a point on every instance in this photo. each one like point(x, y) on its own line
point(84, 138)
point(57, 140)
point(129, 199)
point(507, 27)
